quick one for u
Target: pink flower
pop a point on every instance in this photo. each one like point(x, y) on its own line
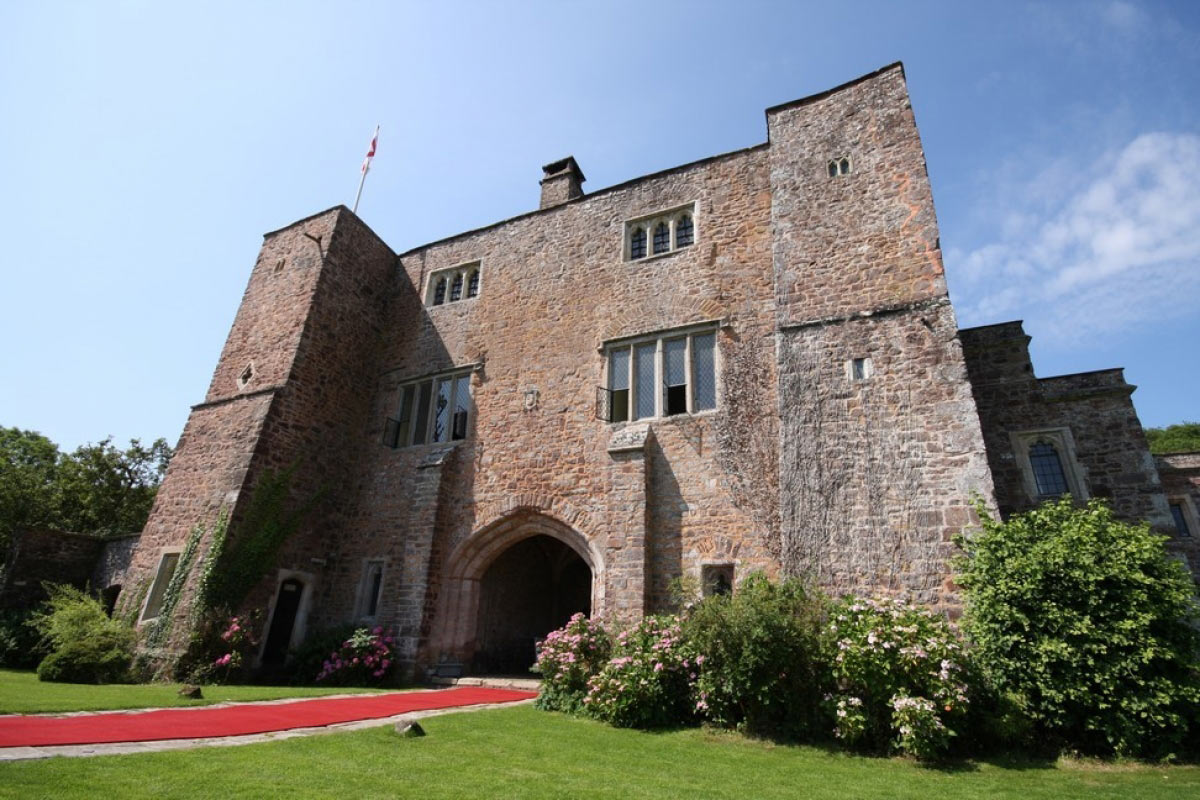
point(658, 667)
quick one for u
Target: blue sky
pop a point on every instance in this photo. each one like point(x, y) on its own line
point(147, 146)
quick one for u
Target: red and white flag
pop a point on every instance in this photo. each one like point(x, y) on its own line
point(366, 165)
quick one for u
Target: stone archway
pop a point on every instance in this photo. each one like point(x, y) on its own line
point(510, 583)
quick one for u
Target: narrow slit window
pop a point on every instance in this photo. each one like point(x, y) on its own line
point(833, 169)
point(162, 579)
point(1181, 523)
point(644, 369)
point(372, 588)
point(844, 166)
point(675, 377)
point(1047, 470)
point(456, 288)
point(618, 385)
point(662, 238)
point(439, 292)
point(705, 373)
point(684, 231)
point(473, 284)
point(637, 244)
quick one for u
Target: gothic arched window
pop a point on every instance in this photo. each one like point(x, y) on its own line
point(473, 284)
point(637, 244)
point(662, 238)
point(439, 292)
point(456, 287)
point(684, 231)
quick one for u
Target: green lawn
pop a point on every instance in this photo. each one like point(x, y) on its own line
point(521, 752)
point(22, 693)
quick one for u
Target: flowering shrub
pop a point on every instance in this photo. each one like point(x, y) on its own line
point(886, 651)
point(566, 659)
point(920, 730)
point(758, 654)
point(647, 682)
point(366, 657)
point(237, 641)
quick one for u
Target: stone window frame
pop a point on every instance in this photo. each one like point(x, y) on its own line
point(711, 569)
point(1188, 510)
point(362, 597)
point(867, 368)
point(160, 583)
point(647, 223)
point(839, 166)
point(631, 343)
point(1064, 444)
point(464, 273)
point(398, 434)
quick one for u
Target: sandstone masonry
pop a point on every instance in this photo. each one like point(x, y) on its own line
point(745, 363)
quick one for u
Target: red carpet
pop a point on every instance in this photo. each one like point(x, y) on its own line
point(200, 723)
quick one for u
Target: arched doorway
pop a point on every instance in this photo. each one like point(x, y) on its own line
point(530, 589)
point(283, 621)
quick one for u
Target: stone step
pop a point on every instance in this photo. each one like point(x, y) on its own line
point(490, 681)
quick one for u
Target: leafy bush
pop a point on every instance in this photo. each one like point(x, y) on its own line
point(365, 657)
point(566, 659)
point(894, 665)
point(759, 651)
point(1085, 620)
point(20, 644)
point(86, 646)
point(647, 682)
point(221, 648)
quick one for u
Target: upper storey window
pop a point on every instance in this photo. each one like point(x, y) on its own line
point(1048, 465)
point(436, 409)
point(839, 166)
point(661, 233)
point(661, 376)
point(448, 285)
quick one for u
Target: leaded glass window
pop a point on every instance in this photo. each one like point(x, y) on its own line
point(684, 231)
point(473, 284)
point(661, 377)
point(644, 367)
point(618, 385)
point(675, 377)
point(456, 288)
point(637, 244)
point(1048, 472)
point(662, 238)
point(704, 393)
point(1181, 524)
point(439, 292)
point(434, 411)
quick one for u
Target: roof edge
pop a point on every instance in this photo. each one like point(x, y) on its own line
point(827, 92)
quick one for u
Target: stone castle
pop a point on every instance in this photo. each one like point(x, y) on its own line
point(749, 362)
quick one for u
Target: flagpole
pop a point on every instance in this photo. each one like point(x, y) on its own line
point(361, 181)
point(366, 167)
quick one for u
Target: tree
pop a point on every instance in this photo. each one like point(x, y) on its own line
point(1087, 623)
point(1181, 438)
point(28, 482)
point(106, 490)
point(97, 489)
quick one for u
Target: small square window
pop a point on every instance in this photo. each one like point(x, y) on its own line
point(716, 579)
point(860, 369)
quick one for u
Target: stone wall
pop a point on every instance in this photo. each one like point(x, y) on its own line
point(1180, 473)
point(877, 473)
point(1110, 454)
point(38, 555)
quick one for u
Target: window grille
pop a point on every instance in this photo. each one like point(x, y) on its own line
point(662, 238)
point(684, 231)
point(1048, 472)
point(637, 244)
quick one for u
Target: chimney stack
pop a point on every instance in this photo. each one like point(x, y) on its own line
point(562, 180)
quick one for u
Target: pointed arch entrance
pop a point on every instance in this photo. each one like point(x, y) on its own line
point(509, 585)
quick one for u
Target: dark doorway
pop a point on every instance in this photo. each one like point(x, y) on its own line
point(280, 635)
point(532, 588)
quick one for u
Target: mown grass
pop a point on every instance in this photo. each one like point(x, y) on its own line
point(22, 693)
point(521, 752)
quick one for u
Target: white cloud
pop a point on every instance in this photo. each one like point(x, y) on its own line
point(1122, 248)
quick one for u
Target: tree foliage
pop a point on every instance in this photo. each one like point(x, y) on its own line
point(99, 488)
point(1181, 438)
point(1088, 624)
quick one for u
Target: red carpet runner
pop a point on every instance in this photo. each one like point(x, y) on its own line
point(201, 723)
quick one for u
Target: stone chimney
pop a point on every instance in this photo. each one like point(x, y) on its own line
point(561, 181)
